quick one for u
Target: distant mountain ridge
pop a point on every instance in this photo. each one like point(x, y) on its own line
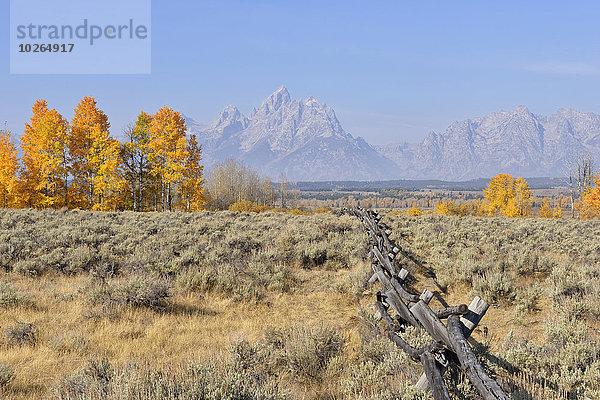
point(517, 142)
point(300, 138)
point(303, 139)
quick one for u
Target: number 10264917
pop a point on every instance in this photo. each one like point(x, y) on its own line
point(46, 48)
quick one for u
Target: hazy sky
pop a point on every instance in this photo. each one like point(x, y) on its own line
point(392, 70)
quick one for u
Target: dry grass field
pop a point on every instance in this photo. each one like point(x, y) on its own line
point(227, 305)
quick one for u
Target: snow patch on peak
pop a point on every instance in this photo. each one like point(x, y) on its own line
point(312, 101)
point(521, 110)
point(300, 137)
point(230, 115)
point(278, 98)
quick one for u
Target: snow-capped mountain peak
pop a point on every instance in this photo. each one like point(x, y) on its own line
point(278, 98)
point(516, 141)
point(301, 138)
point(229, 116)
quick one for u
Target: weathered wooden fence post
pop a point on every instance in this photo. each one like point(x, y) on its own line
point(452, 337)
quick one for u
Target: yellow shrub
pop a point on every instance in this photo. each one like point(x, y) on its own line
point(481, 208)
point(557, 212)
point(511, 209)
point(297, 211)
point(414, 211)
point(448, 207)
point(443, 208)
point(247, 206)
point(585, 211)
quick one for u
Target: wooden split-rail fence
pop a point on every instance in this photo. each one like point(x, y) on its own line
point(398, 308)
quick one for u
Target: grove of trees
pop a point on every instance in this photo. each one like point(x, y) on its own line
point(508, 196)
point(78, 164)
point(231, 182)
point(504, 196)
point(511, 197)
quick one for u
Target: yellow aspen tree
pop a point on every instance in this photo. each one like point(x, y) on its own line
point(192, 186)
point(510, 197)
point(8, 170)
point(498, 192)
point(168, 151)
point(545, 210)
point(104, 160)
point(44, 174)
point(31, 180)
point(522, 197)
point(135, 159)
point(511, 208)
point(89, 122)
point(590, 204)
point(54, 131)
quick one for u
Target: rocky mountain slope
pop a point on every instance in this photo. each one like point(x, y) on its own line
point(516, 142)
point(303, 139)
point(300, 138)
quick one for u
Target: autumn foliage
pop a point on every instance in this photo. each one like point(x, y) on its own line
point(449, 207)
point(94, 156)
point(80, 165)
point(589, 206)
point(414, 211)
point(44, 163)
point(192, 185)
point(168, 151)
point(504, 196)
point(546, 211)
point(507, 196)
point(8, 170)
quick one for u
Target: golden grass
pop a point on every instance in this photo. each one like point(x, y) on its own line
point(499, 319)
point(195, 327)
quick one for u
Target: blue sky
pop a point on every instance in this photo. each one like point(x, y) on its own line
point(392, 70)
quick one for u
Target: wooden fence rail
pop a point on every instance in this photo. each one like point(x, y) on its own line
point(449, 342)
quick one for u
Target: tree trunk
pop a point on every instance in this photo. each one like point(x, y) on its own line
point(169, 196)
point(162, 196)
point(66, 190)
point(140, 181)
point(133, 194)
point(91, 191)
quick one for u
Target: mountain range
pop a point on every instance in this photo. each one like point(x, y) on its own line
point(299, 138)
point(303, 140)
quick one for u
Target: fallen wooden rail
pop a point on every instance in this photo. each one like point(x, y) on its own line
point(449, 342)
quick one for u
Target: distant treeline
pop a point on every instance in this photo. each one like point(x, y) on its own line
point(417, 184)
